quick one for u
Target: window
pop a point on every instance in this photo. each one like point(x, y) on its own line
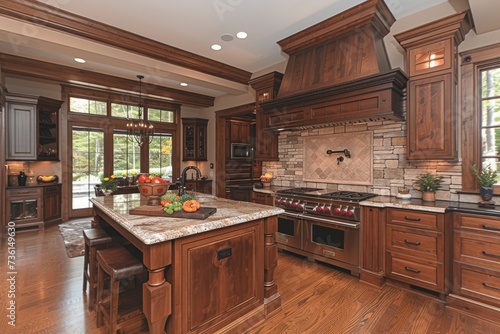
point(490, 118)
point(480, 113)
point(159, 115)
point(86, 106)
point(126, 155)
point(160, 156)
point(124, 111)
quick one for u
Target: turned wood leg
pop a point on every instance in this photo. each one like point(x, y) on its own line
point(157, 300)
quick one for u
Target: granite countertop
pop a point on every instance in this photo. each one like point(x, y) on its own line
point(151, 230)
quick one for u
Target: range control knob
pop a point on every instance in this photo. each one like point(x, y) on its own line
point(287, 202)
point(336, 211)
point(277, 201)
point(318, 208)
point(350, 213)
point(300, 206)
point(327, 209)
point(294, 204)
point(343, 211)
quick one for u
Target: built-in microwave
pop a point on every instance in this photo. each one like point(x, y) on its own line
point(241, 151)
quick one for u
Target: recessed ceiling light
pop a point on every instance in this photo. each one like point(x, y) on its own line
point(242, 35)
point(227, 37)
point(216, 47)
point(183, 84)
point(79, 60)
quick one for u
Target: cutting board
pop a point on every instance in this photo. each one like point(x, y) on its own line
point(157, 210)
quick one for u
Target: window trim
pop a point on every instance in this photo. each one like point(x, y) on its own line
point(472, 62)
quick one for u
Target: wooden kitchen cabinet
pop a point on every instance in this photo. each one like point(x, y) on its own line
point(201, 186)
point(431, 58)
point(24, 207)
point(32, 128)
point(220, 277)
point(266, 141)
point(52, 204)
point(241, 132)
point(194, 141)
point(416, 252)
point(262, 198)
point(476, 265)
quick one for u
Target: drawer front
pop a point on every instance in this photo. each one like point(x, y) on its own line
point(415, 271)
point(477, 249)
point(51, 190)
point(479, 284)
point(476, 222)
point(419, 219)
point(31, 192)
point(415, 242)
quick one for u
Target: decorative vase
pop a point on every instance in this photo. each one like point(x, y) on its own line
point(21, 178)
point(486, 193)
point(429, 196)
point(107, 192)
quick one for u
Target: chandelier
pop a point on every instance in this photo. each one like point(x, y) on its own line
point(140, 130)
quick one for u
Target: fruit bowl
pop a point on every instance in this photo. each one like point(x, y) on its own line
point(153, 191)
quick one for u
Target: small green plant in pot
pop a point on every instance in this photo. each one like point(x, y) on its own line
point(428, 183)
point(486, 178)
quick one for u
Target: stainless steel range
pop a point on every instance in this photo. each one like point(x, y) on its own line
point(321, 225)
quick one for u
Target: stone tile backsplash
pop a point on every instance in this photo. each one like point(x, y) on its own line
point(300, 167)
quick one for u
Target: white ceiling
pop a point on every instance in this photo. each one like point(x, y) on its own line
point(193, 26)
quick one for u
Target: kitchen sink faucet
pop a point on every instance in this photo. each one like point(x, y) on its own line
point(182, 179)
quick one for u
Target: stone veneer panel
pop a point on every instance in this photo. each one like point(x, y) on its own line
point(391, 170)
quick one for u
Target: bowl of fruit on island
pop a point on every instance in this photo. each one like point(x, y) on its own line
point(152, 187)
point(266, 180)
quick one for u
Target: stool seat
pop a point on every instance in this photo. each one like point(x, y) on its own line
point(119, 307)
point(95, 238)
point(119, 262)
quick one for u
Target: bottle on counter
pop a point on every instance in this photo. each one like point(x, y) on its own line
point(21, 178)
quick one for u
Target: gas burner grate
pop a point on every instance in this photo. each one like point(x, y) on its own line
point(348, 195)
point(295, 191)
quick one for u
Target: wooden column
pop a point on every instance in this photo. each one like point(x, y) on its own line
point(372, 246)
point(272, 298)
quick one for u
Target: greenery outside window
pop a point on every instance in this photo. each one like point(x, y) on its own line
point(159, 115)
point(490, 118)
point(126, 155)
point(160, 155)
point(86, 106)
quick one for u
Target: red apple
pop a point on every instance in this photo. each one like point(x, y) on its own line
point(156, 179)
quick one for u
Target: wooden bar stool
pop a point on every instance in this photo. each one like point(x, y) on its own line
point(95, 238)
point(120, 306)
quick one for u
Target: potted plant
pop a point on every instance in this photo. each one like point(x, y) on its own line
point(486, 178)
point(108, 184)
point(428, 183)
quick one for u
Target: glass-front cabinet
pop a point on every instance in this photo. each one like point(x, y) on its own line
point(194, 139)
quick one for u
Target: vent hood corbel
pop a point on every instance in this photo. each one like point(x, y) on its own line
point(338, 72)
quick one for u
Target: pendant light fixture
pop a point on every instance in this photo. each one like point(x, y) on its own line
point(140, 130)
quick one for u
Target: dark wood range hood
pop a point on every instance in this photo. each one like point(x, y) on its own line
point(338, 72)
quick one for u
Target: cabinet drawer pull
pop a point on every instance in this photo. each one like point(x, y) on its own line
point(490, 254)
point(486, 285)
point(416, 271)
point(413, 219)
point(414, 243)
point(487, 227)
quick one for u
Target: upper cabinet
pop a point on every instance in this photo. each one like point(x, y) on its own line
point(194, 139)
point(241, 132)
point(431, 52)
point(32, 128)
point(266, 141)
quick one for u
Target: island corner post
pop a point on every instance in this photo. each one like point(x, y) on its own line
point(158, 259)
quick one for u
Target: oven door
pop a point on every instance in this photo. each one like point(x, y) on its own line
point(336, 240)
point(289, 230)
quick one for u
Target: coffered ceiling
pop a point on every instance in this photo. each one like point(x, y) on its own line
point(191, 26)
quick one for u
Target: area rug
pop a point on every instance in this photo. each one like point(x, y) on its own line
point(72, 233)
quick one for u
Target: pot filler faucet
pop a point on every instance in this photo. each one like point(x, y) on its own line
point(182, 179)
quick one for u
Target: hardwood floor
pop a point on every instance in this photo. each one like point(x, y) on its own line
point(316, 298)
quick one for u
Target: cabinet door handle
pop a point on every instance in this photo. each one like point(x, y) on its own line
point(414, 243)
point(487, 227)
point(413, 219)
point(416, 271)
point(490, 254)
point(486, 285)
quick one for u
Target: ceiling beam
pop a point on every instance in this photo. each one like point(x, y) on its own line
point(65, 74)
point(38, 13)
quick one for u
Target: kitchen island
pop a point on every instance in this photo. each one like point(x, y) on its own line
point(203, 275)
